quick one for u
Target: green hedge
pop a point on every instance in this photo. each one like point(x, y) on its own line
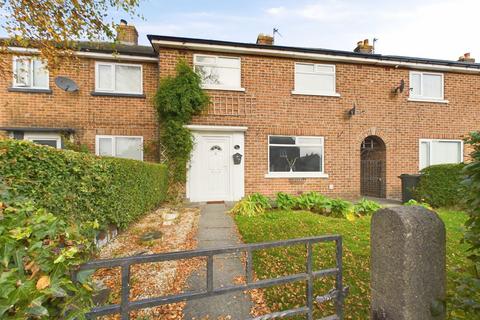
point(81, 186)
point(441, 185)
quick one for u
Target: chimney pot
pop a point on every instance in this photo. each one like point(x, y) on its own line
point(466, 58)
point(127, 34)
point(264, 39)
point(363, 47)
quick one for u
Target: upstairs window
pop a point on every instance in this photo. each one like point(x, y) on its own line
point(30, 72)
point(426, 85)
point(118, 78)
point(315, 79)
point(218, 72)
point(129, 147)
point(440, 151)
point(292, 156)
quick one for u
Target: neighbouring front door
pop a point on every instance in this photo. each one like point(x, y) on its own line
point(213, 175)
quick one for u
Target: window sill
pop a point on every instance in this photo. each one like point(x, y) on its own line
point(428, 100)
point(29, 90)
point(120, 95)
point(287, 175)
point(311, 93)
point(223, 88)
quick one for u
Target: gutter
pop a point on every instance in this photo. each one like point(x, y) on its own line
point(308, 55)
point(93, 55)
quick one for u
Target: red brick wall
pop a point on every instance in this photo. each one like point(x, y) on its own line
point(87, 114)
point(400, 123)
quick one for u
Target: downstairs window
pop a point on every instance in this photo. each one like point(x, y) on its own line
point(128, 147)
point(440, 151)
point(295, 156)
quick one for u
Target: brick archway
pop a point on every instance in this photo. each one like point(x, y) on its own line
point(373, 167)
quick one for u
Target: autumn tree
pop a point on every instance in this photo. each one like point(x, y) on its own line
point(55, 26)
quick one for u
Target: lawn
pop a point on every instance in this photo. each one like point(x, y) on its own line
point(278, 225)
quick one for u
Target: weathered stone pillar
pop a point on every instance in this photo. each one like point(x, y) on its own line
point(408, 264)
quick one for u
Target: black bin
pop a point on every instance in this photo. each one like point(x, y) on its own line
point(409, 182)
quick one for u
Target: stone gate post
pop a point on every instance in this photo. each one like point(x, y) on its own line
point(408, 264)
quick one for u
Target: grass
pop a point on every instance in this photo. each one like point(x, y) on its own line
point(278, 225)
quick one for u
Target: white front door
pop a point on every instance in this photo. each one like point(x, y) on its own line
point(213, 175)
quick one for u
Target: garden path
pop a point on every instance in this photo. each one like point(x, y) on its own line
point(217, 229)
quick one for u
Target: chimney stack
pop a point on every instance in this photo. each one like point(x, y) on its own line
point(363, 47)
point(265, 39)
point(466, 58)
point(127, 34)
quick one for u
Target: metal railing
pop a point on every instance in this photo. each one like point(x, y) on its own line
point(126, 306)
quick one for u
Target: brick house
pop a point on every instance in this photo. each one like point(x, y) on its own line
point(282, 118)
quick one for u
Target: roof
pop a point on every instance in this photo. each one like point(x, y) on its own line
point(330, 52)
point(97, 47)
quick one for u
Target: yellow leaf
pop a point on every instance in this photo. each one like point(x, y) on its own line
point(43, 282)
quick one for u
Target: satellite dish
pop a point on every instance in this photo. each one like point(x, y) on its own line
point(66, 84)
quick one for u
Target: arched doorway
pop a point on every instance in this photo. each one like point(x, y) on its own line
point(373, 155)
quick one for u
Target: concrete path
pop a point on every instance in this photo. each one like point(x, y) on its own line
point(217, 229)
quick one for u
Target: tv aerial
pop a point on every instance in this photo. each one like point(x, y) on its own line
point(66, 84)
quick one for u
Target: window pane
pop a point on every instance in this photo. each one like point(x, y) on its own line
point(424, 154)
point(295, 159)
point(105, 77)
point(209, 75)
point(309, 140)
point(22, 72)
point(229, 77)
point(446, 152)
point(40, 74)
point(302, 67)
point(128, 79)
point(432, 85)
point(130, 148)
point(324, 69)
point(282, 140)
point(229, 62)
point(415, 84)
point(46, 142)
point(105, 147)
point(205, 59)
point(314, 82)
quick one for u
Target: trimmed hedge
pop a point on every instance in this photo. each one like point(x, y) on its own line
point(441, 185)
point(80, 186)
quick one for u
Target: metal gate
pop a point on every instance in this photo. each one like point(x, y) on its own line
point(126, 306)
point(372, 177)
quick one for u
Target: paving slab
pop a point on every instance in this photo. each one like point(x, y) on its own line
point(217, 229)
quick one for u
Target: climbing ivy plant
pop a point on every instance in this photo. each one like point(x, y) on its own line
point(177, 100)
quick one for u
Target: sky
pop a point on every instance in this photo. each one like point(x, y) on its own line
point(443, 29)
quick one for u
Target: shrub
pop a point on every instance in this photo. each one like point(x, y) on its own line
point(340, 208)
point(309, 200)
point(39, 250)
point(81, 186)
point(366, 207)
point(285, 201)
point(441, 185)
point(251, 205)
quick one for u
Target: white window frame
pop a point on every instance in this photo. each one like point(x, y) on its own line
point(316, 93)
point(420, 97)
point(30, 136)
point(15, 84)
point(114, 143)
point(219, 87)
point(319, 174)
point(430, 149)
point(113, 66)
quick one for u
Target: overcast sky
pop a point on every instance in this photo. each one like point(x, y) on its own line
point(430, 28)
